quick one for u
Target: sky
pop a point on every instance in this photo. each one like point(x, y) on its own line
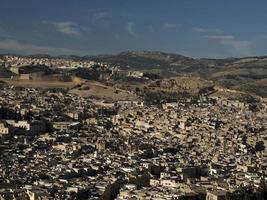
point(196, 28)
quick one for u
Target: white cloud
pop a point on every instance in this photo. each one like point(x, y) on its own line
point(206, 30)
point(260, 37)
point(169, 25)
point(14, 45)
point(220, 37)
point(241, 48)
point(234, 46)
point(67, 27)
point(100, 18)
point(130, 28)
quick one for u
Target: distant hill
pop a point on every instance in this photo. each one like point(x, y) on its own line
point(246, 74)
point(142, 60)
point(153, 59)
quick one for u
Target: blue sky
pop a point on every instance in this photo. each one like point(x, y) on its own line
point(197, 28)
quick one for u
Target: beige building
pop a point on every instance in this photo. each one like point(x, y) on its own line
point(217, 195)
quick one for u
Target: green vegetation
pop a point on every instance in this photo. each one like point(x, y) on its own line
point(158, 97)
point(247, 193)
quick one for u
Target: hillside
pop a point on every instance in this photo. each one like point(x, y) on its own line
point(100, 91)
point(244, 74)
point(148, 60)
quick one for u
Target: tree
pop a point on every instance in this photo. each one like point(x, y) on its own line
point(259, 146)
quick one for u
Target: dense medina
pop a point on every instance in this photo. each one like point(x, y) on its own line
point(56, 145)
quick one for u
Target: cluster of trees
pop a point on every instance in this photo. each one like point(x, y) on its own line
point(242, 193)
point(159, 97)
point(96, 73)
point(34, 69)
point(6, 113)
point(248, 193)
